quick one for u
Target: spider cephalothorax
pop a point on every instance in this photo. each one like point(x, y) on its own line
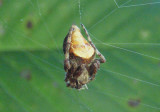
point(80, 63)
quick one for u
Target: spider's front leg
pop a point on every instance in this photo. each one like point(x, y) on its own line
point(94, 68)
point(66, 47)
point(102, 58)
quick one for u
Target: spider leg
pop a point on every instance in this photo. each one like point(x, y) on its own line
point(67, 64)
point(102, 58)
point(94, 68)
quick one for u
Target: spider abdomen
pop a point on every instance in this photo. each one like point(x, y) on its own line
point(80, 46)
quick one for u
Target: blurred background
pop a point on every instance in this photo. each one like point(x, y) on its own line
point(126, 32)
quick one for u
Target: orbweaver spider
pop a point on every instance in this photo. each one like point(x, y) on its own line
point(80, 63)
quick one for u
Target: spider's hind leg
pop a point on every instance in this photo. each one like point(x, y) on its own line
point(94, 68)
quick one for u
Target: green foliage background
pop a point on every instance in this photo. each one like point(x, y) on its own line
point(31, 57)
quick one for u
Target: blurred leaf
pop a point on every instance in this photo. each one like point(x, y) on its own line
point(31, 57)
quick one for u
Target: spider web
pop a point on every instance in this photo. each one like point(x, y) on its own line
point(125, 5)
point(118, 48)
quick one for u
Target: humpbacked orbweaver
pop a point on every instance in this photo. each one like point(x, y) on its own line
point(80, 63)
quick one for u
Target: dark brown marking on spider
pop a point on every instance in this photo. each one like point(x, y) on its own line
point(29, 24)
point(26, 74)
point(134, 102)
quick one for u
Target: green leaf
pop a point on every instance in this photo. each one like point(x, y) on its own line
point(31, 57)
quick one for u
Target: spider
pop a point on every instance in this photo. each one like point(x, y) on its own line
point(80, 61)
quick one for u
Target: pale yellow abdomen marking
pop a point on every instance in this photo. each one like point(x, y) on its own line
point(80, 46)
